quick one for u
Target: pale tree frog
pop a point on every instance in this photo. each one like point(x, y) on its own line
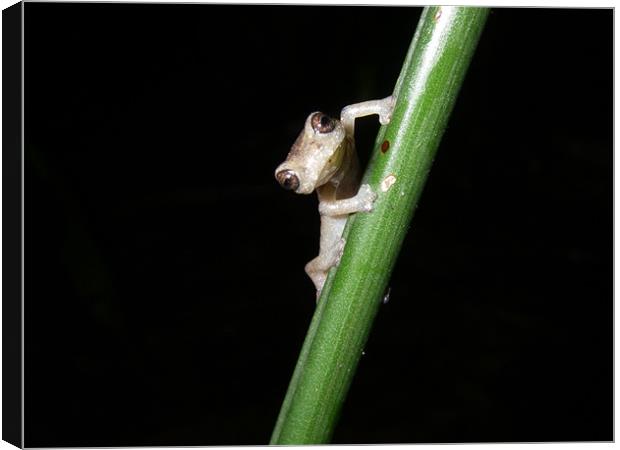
point(323, 158)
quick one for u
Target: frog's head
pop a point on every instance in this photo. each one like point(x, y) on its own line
point(316, 155)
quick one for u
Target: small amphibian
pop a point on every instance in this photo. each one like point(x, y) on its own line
point(323, 158)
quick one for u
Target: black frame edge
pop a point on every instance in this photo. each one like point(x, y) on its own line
point(12, 142)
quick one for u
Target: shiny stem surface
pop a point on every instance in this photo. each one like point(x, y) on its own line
point(426, 90)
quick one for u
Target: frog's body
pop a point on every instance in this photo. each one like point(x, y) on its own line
point(323, 158)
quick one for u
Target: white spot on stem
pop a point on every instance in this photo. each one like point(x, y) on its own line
point(388, 182)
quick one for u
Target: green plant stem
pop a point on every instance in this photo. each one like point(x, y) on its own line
point(426, 90)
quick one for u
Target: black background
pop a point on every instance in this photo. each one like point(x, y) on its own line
point(166, 300)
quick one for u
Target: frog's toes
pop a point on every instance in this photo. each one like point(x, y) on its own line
point(385, 115)
point(367, 197)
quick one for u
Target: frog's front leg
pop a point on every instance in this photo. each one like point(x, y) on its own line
point(383, 108)
point(362, 201)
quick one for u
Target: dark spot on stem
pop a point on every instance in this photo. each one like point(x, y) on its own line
point(385, 146)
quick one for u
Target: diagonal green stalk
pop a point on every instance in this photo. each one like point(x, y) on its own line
point(426, 90)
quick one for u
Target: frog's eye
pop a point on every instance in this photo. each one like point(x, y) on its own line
point(288, 180)
point(322, 123)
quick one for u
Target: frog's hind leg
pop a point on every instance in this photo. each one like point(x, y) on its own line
point(318, 268)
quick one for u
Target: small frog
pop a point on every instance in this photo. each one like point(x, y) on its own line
point(323, 158)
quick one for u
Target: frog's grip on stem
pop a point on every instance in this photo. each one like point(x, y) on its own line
point(363, 201)
point(383, 108)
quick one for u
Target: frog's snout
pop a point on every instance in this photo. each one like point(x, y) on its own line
point(288, 179)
